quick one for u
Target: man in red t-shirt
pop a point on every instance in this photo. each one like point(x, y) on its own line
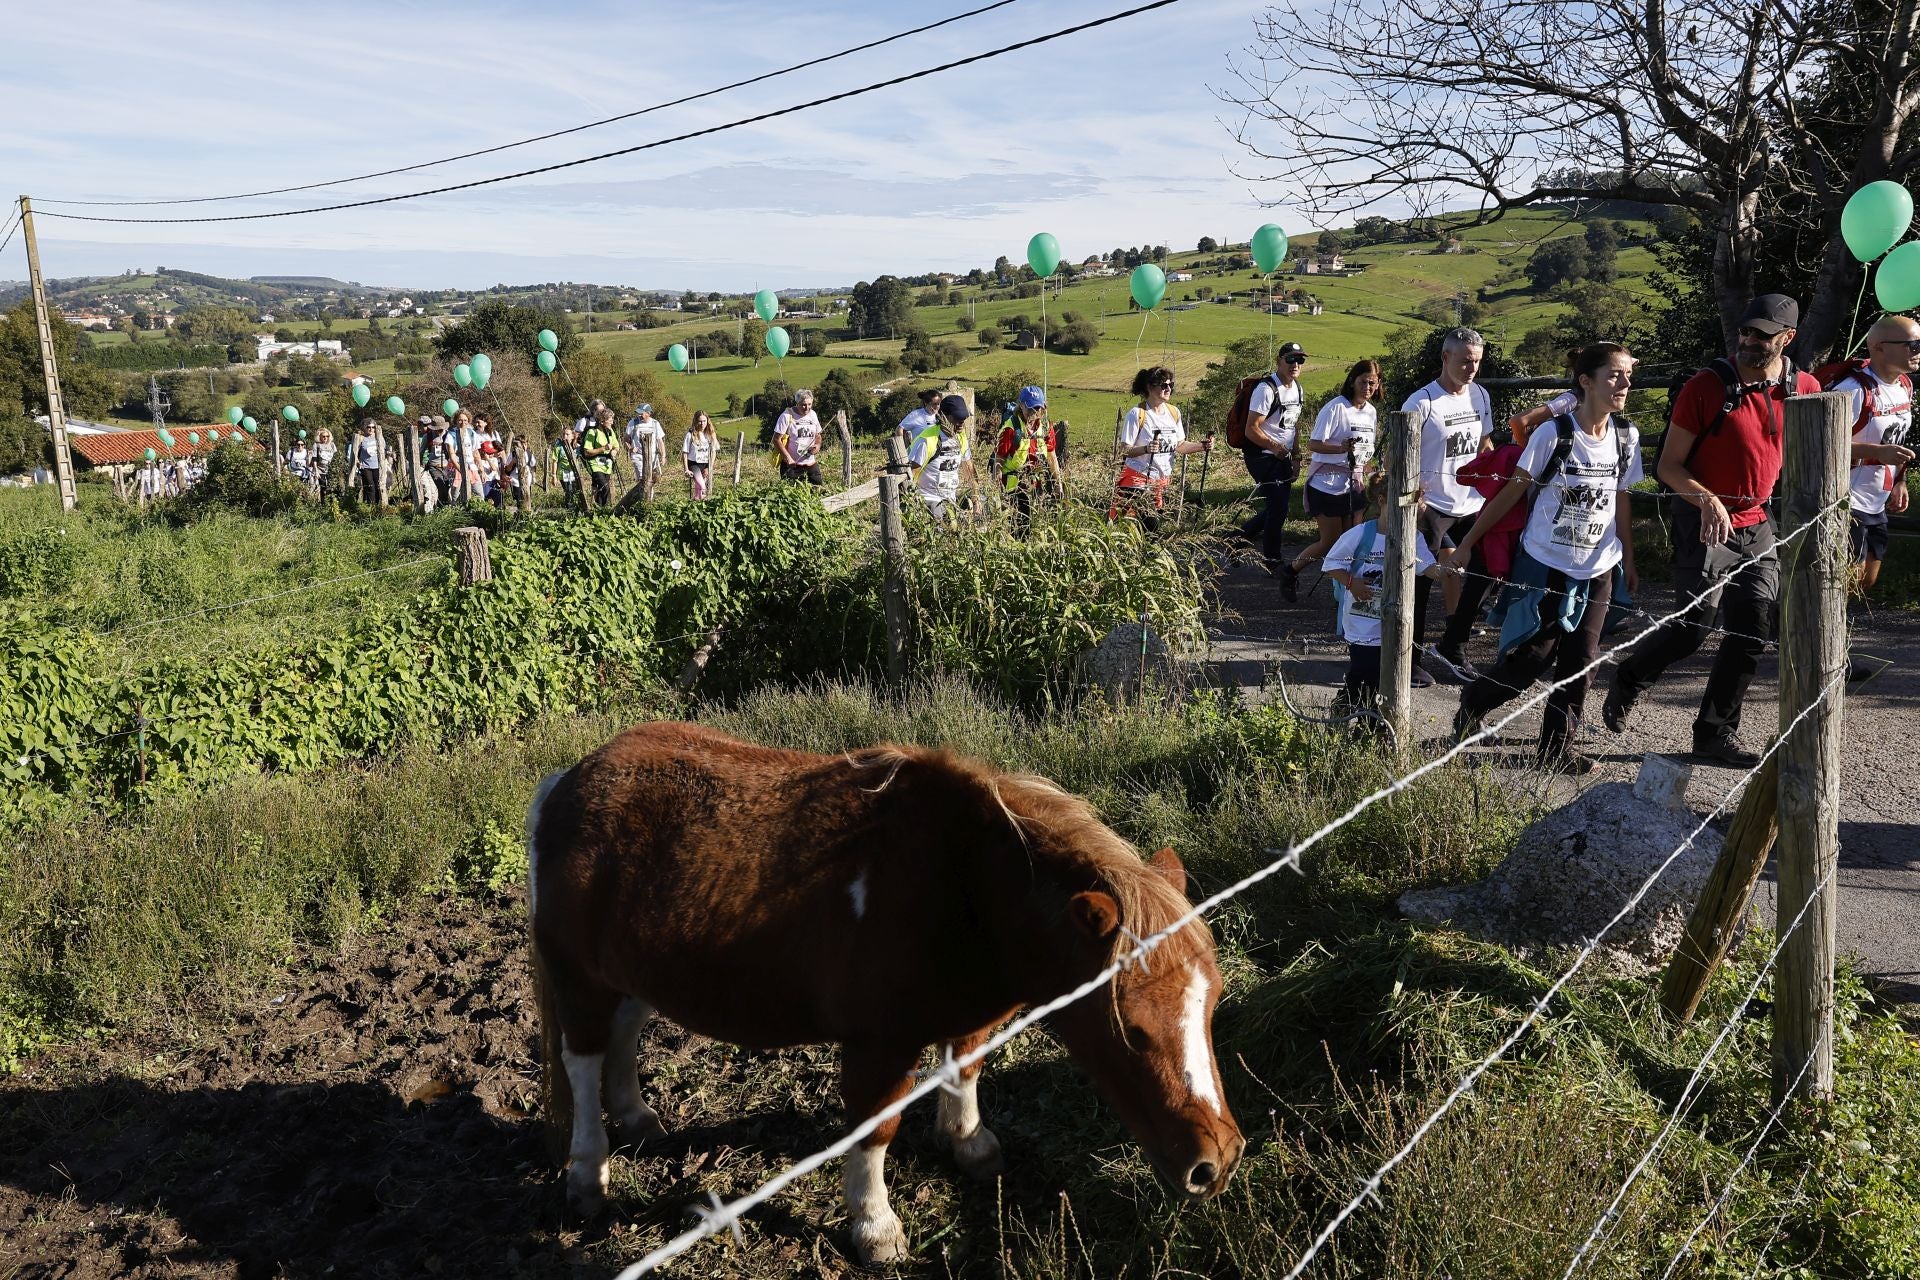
point(1721, 459)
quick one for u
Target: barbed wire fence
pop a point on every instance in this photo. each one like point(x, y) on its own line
point(725, 1216)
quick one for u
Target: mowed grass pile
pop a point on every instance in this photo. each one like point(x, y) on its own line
point(1341, 1028)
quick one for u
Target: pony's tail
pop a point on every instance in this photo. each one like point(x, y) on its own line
point(556, 1091)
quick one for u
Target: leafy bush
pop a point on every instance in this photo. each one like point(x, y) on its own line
point(238, 479)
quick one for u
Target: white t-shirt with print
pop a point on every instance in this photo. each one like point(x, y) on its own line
point(651, 433)
point(939, 457)
point(1451, 427)
point(1571, 527)
point(697, 447)
point(1870, 483)
point(1280, 406)
point(803, 434)
point(366, 452)
point(1159, 427)
point(915, 422)
point(1360, 619)
point(1341, 423)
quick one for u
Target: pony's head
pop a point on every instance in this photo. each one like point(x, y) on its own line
point(1148, 1046)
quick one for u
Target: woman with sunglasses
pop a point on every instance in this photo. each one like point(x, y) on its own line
point(1340, 455)
point(1150, 438)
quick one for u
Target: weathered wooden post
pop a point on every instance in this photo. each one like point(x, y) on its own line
point(522, 462)
point(645, 463)
point(846, 448)
point(475, 566)
point(1716, 916)
point(279, 462)
point(1399, 525)
point(414, 467)
point(739, 451)
point(893, 547)
point(385, 482)
point(1813, 654)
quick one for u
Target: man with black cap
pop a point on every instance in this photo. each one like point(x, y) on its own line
point(1721, 459)
point(1273, 422)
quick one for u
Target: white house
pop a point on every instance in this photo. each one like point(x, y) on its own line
point(266, 348)
point(1175, 277)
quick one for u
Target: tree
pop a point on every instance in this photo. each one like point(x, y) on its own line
point(1759, 119)
point(1557, 262)
point(753, 338)
point(1207, 244)
point(966, 324)
point(839, 392)
point(882, 307)
point(989, 336)
point(1603, 244)
point(142, 318)
point(813, 342)
point(87, 390)
point(1075, 334)
point(1002, 268)
point(506, 331)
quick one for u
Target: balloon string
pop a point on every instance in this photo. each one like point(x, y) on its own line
point(1853, 324)
point(1043, 337)
point(1267, 302)
point(1145, 314)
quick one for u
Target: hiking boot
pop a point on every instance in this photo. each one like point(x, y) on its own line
point(1724, 749)
point(1465, 725)
point(1437, 665)
point(1863, 669)
point(1617, 710)
point(1458, 662)
point(1419, 679)
point(1566, 761)
point(1289, 583)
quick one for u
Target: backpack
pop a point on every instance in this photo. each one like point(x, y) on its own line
point(1242, 407)
point(1562, 447)
point(1832, 375)
point(1733, 393)
point(1370, 531)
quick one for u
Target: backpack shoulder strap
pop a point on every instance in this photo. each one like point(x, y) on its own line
point(1565, 427)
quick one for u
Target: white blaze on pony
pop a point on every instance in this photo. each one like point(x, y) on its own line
point(679, 870)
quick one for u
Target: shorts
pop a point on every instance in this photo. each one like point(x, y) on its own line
point(1867, 536)
point(1336, 506)
point(1439, 528)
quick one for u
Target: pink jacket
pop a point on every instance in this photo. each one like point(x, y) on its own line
point(1488, 474)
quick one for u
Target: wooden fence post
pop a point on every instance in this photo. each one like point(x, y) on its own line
point(739, 451)
point(475, 566)
point(1399, 525)
point(279, 463)
point(645, 462)
point(1813, 653)
point(893, 546)
point(383, 485)
point(1716, 916)
point(414, 462)
point(846, 448)
point(522, 461)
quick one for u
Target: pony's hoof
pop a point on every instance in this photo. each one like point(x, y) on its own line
point(587, 1190)
point(879, 1240)
point(642, 1127)
point(980, 1156)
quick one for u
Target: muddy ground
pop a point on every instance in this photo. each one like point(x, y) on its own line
point(370, 1115)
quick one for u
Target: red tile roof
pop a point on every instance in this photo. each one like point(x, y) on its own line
point(112, 447)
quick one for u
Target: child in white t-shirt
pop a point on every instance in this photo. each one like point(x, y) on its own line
point(1357, 564)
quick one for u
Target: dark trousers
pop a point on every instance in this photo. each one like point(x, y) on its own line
point(1273, 481)
point(1362, 685)
point(370, 485)
point(1441, 530)
point(1473, 593)
point(1746, 608)
point(1548, 650)
point(806, 473)
point(602, 488)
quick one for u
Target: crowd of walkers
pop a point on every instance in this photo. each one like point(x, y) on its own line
point(1530, 532)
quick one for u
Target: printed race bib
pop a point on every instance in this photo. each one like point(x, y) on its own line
point(1374, 577)
point(1586, 510)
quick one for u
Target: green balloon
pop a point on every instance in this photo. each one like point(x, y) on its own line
point(1148, 285)
point(463, 375)
point(361, 394)
point(1043, 254)
point(549, 341)
point(234, 415)
point(193, 437)
point(766, 305)
point(213, 437)
point(149, 455)
point(778, 343)
point(546, 362)
point(1896, 281)
point(302, 433)
point(166, 437)
point(677, 357)
point(1875, 218)
point(396, 406)
point(249, 426)
point(449, 406)
point(481, 366)
point(290, 413)
point(1269, 248)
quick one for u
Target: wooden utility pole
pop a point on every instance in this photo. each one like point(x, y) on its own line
point(1399, 526)
point(1716, 916)
point(1813, 654)
point(49, 370)
point(893, 547)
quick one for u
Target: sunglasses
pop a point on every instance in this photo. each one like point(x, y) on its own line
point(1165, 384)
point(1296, 359)
point(1748, 331)
point(1913, 345)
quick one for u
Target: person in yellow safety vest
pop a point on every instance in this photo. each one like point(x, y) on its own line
point(941, 458)
point(1029, 454)
point(599, 446)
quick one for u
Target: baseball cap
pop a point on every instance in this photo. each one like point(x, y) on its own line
point(954, 409)
point(486, 446)
point(645, 408)
point(1289, 349)
point(1772, 312)
point(1032, 398)
point(426, 420)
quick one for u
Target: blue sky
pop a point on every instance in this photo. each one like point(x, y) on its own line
point(1113, 137)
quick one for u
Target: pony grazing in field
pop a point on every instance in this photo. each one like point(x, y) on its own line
point(886, 900)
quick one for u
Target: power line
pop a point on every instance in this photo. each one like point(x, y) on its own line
point(558, 133)
point(11, 228)
point(661, 142)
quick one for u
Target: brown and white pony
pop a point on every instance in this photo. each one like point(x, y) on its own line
point(886, 900)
